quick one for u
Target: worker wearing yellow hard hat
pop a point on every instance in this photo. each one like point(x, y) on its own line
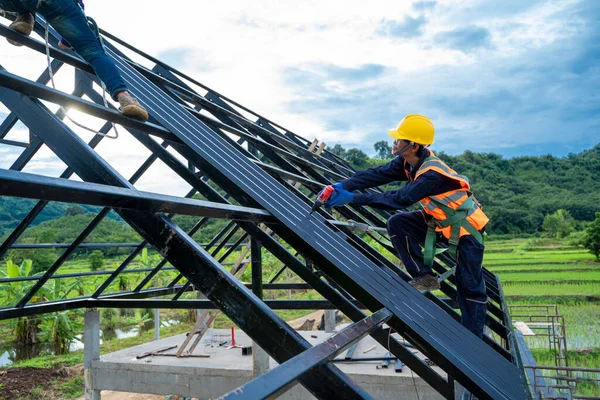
point(449, 215)
point(414, 128)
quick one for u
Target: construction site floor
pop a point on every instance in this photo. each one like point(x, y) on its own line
point(227, 369)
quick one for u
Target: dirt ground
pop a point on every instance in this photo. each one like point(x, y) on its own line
point(18, 382)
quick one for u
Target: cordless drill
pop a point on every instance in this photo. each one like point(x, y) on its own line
point(322, 198)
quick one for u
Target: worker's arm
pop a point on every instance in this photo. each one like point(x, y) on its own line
point(428, 184)
point(372, 177)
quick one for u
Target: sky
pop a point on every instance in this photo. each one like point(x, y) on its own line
point(511, 77)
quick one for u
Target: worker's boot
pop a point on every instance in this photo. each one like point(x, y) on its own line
point(131, 108)
point(428, 282)
point(23, 24)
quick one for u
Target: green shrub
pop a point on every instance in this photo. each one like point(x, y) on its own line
point(96, 260)
point(592, 237)
point(558, 224)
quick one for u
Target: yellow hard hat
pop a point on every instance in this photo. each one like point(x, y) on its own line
point(415, 128)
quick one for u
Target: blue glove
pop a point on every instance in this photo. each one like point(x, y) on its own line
point(340, 197)
point(336, 186)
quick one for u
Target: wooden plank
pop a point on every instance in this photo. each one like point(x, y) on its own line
point(523, 328)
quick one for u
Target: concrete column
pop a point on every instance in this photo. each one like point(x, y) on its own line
point(260, 358)
point(329, 321)
point(199, 296)
point(156, 323)
point(91, 351)
point(260, 361)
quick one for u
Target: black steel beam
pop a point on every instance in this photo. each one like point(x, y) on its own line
point(256, 265)
point(261, 323)
point(80, 302)
point(13, 143)
point(33, 186)
point(195, 82)
point(11, 118)
point(36, 309)
point(233, 122)
point(207, 304)
point(417, 365)
point(25, 86)
point(40, 47)
point(275, 382)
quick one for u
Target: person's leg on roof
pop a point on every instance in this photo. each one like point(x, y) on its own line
point(24, 21)
point(69, 21)
point(470, 285)
point(407, 230)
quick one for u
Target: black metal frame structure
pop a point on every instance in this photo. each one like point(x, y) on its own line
point(244, 167)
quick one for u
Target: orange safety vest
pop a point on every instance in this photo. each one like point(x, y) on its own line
point(452, 199)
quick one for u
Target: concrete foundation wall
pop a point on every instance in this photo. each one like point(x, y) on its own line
point(225, 370)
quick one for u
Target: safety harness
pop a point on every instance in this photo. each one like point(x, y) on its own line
point(455, 218)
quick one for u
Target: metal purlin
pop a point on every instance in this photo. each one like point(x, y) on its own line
point(184, 253)
point(249, 195)
point(229, 169)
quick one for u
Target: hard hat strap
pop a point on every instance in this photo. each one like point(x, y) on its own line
point(410, 144)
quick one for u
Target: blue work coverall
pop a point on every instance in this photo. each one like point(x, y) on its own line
point(407, 230)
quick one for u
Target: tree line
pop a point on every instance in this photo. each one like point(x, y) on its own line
point(516, 193)
point(524, 195)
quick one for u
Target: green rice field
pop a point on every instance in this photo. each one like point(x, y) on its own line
point(534, 273)
point(567, 276)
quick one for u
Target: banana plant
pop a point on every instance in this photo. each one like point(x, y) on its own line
point(59, 328)
point(26, 329)
point(141, 320)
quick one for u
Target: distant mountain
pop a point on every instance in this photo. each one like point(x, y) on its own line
point(516, 193)
point(14, 209)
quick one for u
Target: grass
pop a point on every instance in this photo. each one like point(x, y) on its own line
point(544, 267)
point(587, 360)
point(548, 272)
point(551, 289)
point(550, 276)
point(72, 388)
point(531, 268)
point(539, 258)
point(50, 361)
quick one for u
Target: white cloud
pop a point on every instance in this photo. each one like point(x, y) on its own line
point(246, 50)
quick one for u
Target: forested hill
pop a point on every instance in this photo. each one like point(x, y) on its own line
point(518, 192)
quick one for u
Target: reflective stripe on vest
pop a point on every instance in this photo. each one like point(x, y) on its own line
point(452, 199)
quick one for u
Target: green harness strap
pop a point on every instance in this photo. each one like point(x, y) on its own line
point(456, 219)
